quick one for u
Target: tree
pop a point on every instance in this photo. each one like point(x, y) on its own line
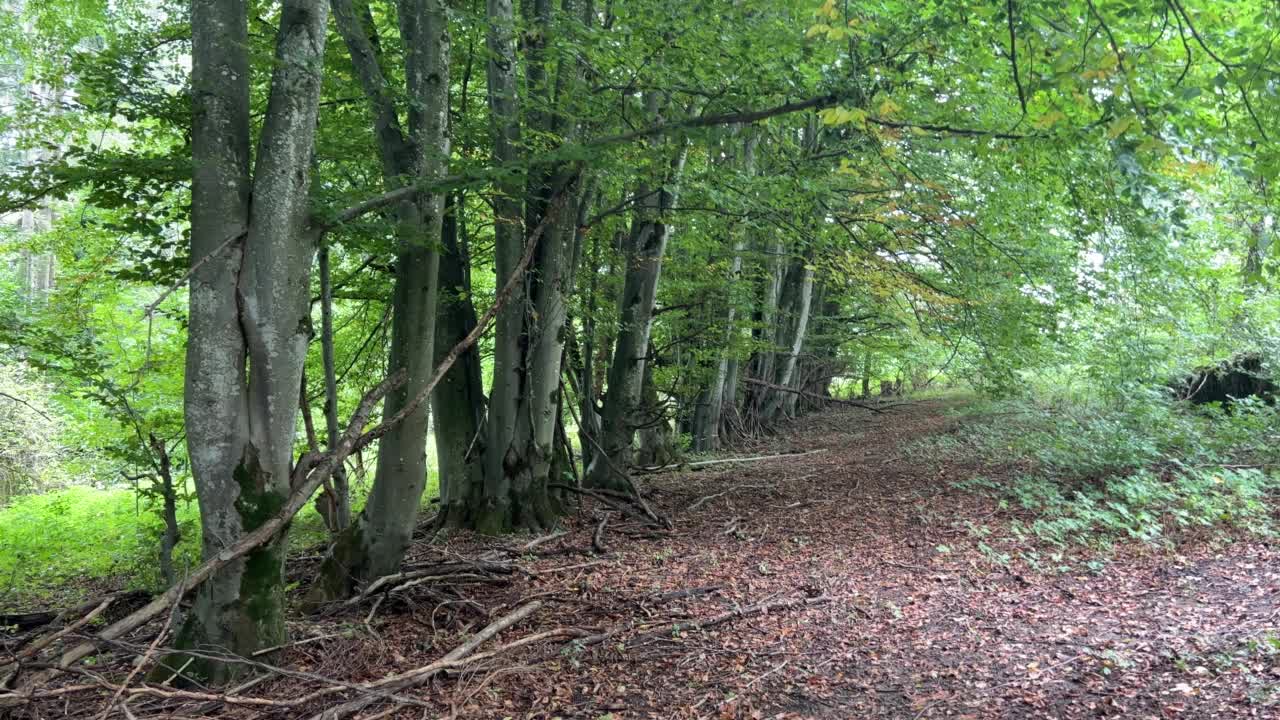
point(249, 310)
point(375, 544)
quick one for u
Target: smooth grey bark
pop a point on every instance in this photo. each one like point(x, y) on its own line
point(502, 457)
point(791, 336)
point(761, 364)
point(249, 313)
point(341, 489)
point(706, 419)
point(707, 416)
point(644, 253)
point(588, 415)
point(376, 542)
point(656, 439)
point(518, 443)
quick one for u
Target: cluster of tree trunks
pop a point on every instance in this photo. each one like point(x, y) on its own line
point(501, 457)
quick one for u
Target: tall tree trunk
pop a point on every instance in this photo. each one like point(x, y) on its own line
point(518, 443)
point(792, 334)
point(707, 417)
point(376, 542)
point(501, 458)
point(762, 361)
point(645, 249)
point(866, 374)
point(458, 402)
point(249, 300)
point(341, 502)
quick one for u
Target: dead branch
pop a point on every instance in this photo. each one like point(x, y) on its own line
point(539, 541)
point(43, 642)
point(721, 461)
point(748, 611)
point(142, 662)
point(702, 500)
point(678, 594)
point(623, 506)
point(597, 538)
point(815, 396)
point(416, 677)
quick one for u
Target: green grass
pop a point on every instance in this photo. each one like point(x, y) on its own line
point(60, 547)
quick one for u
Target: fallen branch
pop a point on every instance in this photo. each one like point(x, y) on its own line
point(748, 611)
point(668, 629)
point(49, 639)
point(721, 461)
point(469, 570)
point(678, 594)
point(31, 620)
point(539, 541)
point(597, 538)
point(702, 500)
point(815, 396)
point(624, 507)
point(416, 677)
point(118, 697)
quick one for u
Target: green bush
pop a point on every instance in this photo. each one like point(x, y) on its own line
point(1140, 469)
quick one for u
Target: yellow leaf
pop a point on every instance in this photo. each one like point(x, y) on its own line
point(837, 33)
point(840, 115)
point(1120, 125)
point(817, 29)
point(1152, 145)
point(888, 107)
point(1050, 119)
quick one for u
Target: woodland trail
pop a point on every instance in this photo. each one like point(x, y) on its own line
point(921, 622)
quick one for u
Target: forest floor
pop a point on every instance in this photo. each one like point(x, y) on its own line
point(903, 603)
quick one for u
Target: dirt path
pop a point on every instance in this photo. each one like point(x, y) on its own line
point(922, 623)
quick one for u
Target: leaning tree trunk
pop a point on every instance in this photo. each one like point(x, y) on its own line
point(645, 249)
point(249, 315)
point(375, 544)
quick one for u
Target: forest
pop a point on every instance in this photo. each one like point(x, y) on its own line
point(595, 359)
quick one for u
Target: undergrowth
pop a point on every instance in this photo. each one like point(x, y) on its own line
point(1141, 468)
point(60, 547)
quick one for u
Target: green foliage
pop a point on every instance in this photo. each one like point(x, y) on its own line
point(29, 446)
point(1144, 506)
point(1147, 470)
point(57, 547)
point(59, 542)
